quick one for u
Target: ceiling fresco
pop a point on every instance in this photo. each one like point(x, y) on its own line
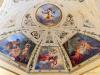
point(49, 36)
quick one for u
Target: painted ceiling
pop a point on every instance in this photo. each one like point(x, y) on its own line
point(50, 35)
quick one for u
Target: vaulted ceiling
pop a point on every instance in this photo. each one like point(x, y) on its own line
point(50, 35)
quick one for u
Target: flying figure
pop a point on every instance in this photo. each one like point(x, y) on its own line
point(49, 13)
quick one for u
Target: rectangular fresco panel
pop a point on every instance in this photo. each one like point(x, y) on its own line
point(49, 59)
point(17, 47)
point(80, 48)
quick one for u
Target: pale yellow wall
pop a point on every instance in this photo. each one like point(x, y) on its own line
point(5, 72)
point(95, 71)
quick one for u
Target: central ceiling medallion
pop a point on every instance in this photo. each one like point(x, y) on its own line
point(49, 15)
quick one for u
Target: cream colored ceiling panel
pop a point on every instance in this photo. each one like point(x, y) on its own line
point(4, 71)
point(1, 2)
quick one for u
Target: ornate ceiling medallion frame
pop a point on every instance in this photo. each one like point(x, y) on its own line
point(36, 7)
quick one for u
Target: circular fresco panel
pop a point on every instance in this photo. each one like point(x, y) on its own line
point(49, 15)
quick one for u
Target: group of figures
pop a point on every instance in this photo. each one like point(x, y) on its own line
point(81, 47)
point(49, 58)
point(17, 47)
point(20, 49)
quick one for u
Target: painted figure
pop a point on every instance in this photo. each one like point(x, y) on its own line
point(17, 47)
point(49, 59)
point(25, 53)
point(16, 50)
point(49, 14)
point(81, 50)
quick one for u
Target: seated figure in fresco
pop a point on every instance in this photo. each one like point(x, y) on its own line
point(47, 61)
point(25, 52)
point(82, 49)
point(16, 50)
